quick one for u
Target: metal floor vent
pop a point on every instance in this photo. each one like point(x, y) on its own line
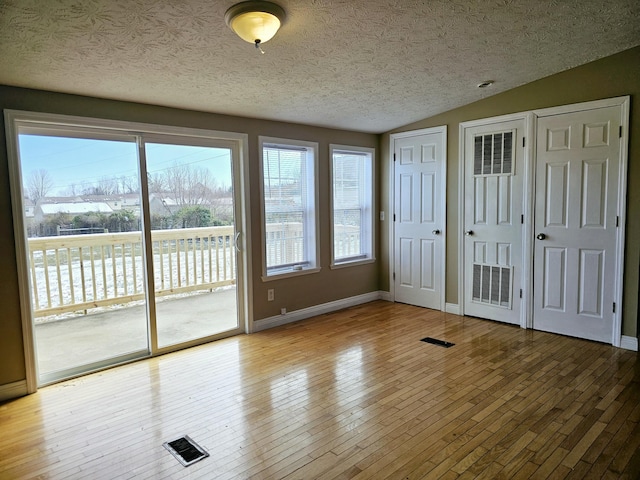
point(435, 341)
point(186, 450)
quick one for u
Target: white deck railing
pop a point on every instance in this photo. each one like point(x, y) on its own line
point(285, 242)
point(78, 272)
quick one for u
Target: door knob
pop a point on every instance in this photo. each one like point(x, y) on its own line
point(541, 236)
point(468, 233)
point(436, 232)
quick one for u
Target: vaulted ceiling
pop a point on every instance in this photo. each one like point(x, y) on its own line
point(367, 65)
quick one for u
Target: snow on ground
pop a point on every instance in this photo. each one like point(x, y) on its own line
point(65, 285)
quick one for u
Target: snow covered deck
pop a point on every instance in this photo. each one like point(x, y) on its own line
point(80, 272)
point(70, 342)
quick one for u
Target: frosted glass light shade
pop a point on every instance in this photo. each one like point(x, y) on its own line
point(254, 26)
point(255, 21)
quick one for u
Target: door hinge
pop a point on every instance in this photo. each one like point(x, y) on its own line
point(394, 217)
point(522, 219)
point(614, 307)
point(620, 131)
point(394, 275)
point(520, 293)
point(617, 221)
point(394, 157)
point(524, 142)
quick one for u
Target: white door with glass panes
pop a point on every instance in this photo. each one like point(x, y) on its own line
point(493, 196)
point(577, 178)
point(419, 218)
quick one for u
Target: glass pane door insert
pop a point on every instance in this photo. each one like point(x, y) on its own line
point(85, 250)
point(191, 205)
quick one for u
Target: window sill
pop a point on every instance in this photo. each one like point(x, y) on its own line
point(352, 263)
point(289, 273)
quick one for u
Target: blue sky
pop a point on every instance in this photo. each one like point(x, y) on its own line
point(82, 162)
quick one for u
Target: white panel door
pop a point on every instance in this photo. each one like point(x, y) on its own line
point(493, 190)
point(419, 219)
point(577, 169)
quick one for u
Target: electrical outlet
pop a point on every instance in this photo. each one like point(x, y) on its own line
point(283, 311)
point(270, 295)
point(382, 216)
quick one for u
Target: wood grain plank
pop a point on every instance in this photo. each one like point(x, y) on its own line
point(352, 394)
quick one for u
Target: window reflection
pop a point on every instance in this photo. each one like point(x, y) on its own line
point(349, 374)
point(290, 387)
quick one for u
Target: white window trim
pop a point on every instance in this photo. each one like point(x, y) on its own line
point(370, 256)
point(315, 255)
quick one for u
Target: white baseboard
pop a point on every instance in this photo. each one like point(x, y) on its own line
point(386, 296)
point(297, 315)
point(629, 343)
point(452, 308)
point(13, 390)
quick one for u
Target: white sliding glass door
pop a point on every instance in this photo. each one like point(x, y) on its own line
point(128, 243)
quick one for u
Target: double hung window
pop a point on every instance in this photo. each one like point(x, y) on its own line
point(352, 204)
point(289, 199)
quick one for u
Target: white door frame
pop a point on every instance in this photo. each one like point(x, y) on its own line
point(624, 104)
point(529, 192)
point(527, 168)
point(14, 117)
point(443, 207)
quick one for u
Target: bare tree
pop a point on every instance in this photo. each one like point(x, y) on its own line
point(108, 186)
point(128, 185)
point(71, 191)
point(190, 185)
point(104, 186)
point(39, 184)
point(157, 183)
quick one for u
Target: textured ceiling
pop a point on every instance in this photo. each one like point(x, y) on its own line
point(368, 65)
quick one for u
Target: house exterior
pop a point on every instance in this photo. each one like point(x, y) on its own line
point(162, 204)
point(43, 211)
point(125, 201)
point(29, 208)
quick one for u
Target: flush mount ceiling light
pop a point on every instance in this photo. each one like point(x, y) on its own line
point(255, 21)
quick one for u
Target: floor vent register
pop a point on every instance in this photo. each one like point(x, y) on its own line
point(435, 341)
point(186, 451)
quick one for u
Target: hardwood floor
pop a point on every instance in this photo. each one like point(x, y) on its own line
point(352, 394)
